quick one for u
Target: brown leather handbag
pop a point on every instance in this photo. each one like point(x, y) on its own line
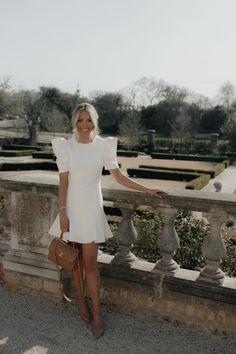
point(63, 254)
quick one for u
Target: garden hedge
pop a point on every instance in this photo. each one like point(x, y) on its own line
point(195, 180)
point(187, 157)
point(23, 166)
point(160, 174)
point(22, 147)
point(198, 183)
point(16, 153)
point(47, 154)
point(127, 153)
point(213, 172)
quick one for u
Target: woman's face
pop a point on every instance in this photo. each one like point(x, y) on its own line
point(84, 124)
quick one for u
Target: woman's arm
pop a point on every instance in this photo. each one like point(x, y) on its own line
point(62, 198)
point(129, 183)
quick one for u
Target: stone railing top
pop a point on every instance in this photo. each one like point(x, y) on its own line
point(47, 182)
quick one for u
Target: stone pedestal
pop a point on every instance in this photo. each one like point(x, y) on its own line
point(150, 139)
point(213, 142)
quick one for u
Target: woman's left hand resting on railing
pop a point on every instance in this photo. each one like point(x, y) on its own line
point(120, 178)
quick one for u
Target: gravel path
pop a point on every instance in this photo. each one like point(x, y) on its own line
point(33, 326)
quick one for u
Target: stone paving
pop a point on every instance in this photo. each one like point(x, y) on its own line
point(30, 325)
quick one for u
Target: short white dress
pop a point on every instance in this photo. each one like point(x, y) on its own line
point(84, 207)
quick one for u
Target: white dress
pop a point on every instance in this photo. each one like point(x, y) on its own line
point(84, 207)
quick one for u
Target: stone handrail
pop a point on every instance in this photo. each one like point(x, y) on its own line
point(216, 208)
point(30, 208)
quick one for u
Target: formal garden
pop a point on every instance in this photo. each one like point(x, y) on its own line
point(168, 139)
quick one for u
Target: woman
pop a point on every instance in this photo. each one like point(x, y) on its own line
point(80, 161)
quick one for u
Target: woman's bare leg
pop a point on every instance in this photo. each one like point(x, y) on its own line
point(89, 255)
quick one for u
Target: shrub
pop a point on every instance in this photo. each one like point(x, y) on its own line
point(191, 232)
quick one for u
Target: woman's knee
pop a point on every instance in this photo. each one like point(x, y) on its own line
point(89, 256)
point(90, 265)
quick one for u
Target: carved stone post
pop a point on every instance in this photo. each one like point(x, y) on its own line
point(168, 242)
point(125, 235)
point(213, 249)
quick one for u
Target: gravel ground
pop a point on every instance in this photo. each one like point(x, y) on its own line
point(30, 325)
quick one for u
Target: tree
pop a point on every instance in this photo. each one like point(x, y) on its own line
point(195, 112)
point(213, 119)
point(149, 90)
point(161, 116)
point(131, 127)
point(175, 95)
point(5, 91)
point(200, 101)
point(56, 109)
point(110, 110)
point(129, 95)
point(181, 127)
point(229, 133)
point(226, 95)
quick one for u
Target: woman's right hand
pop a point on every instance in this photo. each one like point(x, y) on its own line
point(64, 222)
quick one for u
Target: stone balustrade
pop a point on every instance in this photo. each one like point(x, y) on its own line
point(28, 209)
point(28, 206)
point(216, 208)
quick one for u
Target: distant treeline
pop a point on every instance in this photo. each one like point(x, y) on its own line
point(148, 104)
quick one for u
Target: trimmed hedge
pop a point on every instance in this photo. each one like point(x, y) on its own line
point(23, 166)
point(213, 172)
point(47, 154)
point(16, 153)
point(127, 153)
point(195, 181)
point(22, 147)
point(219, 168)
point(160, 174)
point(198, 183)
point(207, 158)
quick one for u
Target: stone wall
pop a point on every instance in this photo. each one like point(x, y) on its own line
point(163, 290)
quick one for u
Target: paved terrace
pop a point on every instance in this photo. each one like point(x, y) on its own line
point(30, 325)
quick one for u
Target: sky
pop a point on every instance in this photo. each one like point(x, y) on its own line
point(107, 45)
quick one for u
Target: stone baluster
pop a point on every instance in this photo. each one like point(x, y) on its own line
point(213, 249)
point(168, 242)
point(125, 235)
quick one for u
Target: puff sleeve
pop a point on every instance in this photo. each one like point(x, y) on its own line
point(60, 149)
point(109, 153)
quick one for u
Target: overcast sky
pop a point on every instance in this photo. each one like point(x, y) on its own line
point(108, 44)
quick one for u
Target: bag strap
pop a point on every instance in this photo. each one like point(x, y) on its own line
point(61, 287)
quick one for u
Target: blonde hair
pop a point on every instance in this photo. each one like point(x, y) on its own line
point(87, 107)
